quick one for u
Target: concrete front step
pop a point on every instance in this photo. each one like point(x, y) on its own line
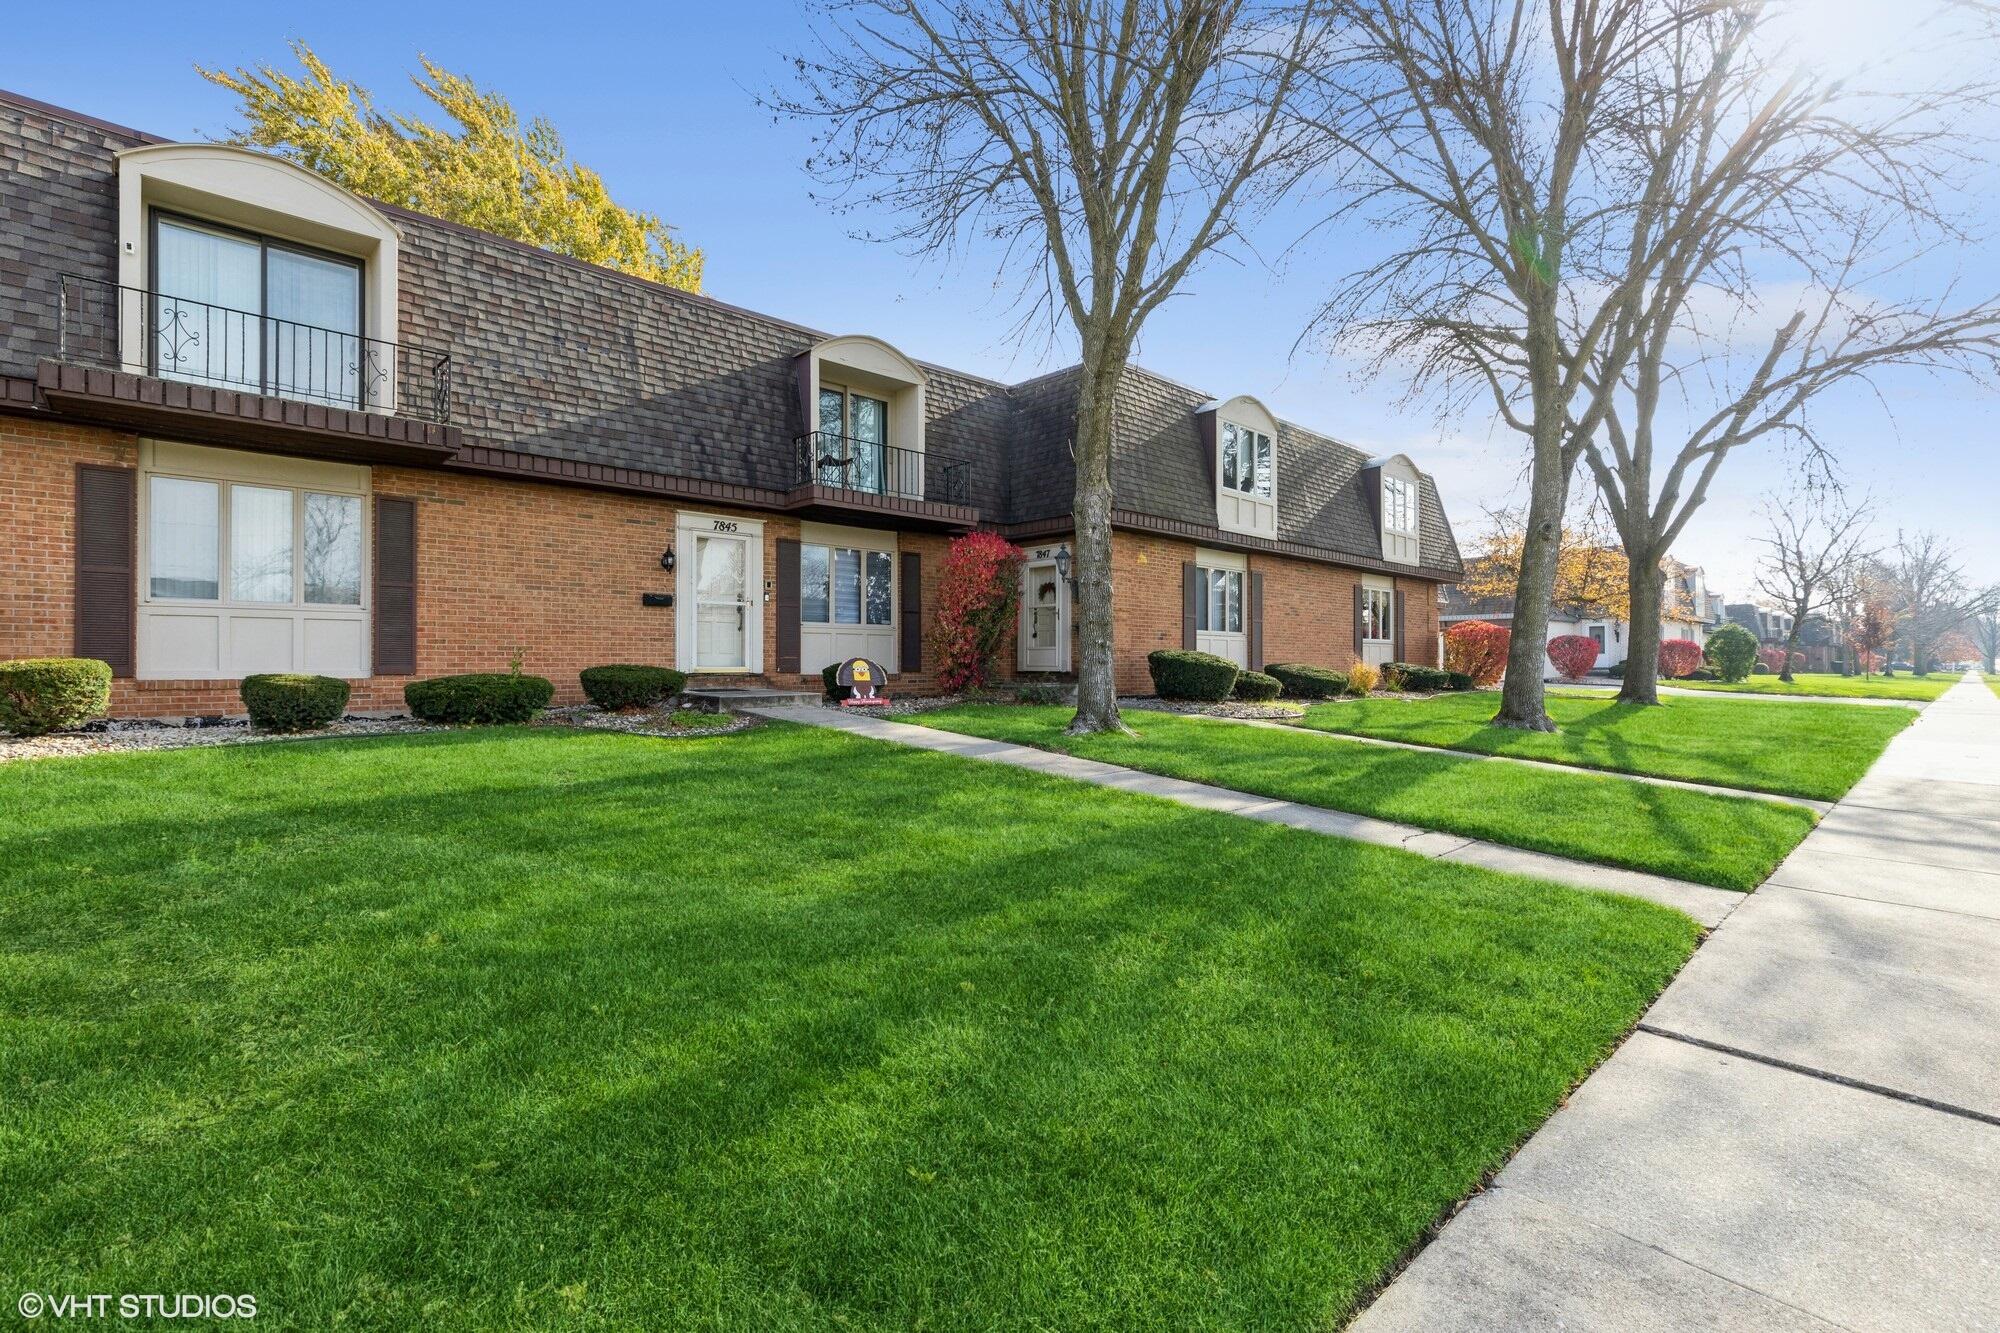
point(753, 698)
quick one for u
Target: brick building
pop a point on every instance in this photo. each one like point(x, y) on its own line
point(252, 422)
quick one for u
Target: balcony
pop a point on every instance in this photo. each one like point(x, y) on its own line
point(149, 361)
point(854, 476)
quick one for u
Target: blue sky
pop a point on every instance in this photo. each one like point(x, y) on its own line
point(660, 100)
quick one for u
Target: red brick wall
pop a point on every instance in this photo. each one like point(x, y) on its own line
point(555, 571)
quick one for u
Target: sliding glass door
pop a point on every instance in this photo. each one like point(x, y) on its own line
point(247, 312)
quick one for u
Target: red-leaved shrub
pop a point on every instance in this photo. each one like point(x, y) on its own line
point(1573, 654)
point(1679, 657)
point(1772, 658)
point(1477, 648)
point(975, 609)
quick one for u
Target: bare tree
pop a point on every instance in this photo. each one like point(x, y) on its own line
point(1932, 596)
point(1576, 186)
point(1469, 130)
point(1815, 537)
point(1986, 630)
point(1105, 147)
point(1782, 188)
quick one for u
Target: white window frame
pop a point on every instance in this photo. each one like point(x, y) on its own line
point(1399, 501)
point(1378, 613)
point(226, 469)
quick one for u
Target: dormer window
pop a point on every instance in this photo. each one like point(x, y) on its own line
point(1246, 460)
point(1390, 487)
point(1243, 435)
point(863, 404)
point(1399, 507)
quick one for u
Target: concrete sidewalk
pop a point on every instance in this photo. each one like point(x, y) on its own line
point(1705, 904)
point(1805, 1133)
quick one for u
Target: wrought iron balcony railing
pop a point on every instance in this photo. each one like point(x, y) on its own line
point(850, 464)
point(176, 338)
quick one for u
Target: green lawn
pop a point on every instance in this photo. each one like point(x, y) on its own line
point(1730, 841)
point(1825, 685)
point(1993, 681)
point(1794, 750)
point(787, 1029)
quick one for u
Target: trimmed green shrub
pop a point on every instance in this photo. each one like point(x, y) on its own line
point(286, 702)
point(829, 676)
point(479, 697)
point(627, 686)
point(1701, 673)
point(1301, 681)
point(1416, 677)
point(1760, 670)
point(1181, 674)
point(1732, 651)
point(43, 694)
point(1041, 692)
point(1616, 671)
point(1256, 687)
point(1457, 680)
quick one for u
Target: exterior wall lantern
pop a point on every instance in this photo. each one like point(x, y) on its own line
point(1062, 564)
point(667, 560)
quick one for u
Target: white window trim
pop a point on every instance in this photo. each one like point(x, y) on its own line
point(1369, 589)
point(256, 192)
point(225, 468)
point(1237, 510)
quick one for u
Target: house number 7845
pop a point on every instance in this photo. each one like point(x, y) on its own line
point(724, 525)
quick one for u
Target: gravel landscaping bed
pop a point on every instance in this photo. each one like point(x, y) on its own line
point(112, 737)
point(1263, 712)
point(664, 721)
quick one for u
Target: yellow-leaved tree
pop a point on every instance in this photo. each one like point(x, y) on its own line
point(1593, 579)
point(486, 170)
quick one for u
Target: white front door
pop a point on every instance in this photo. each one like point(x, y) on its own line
point(1044, 632)
point(721, 621)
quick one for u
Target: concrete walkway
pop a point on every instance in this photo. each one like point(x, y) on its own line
point(1645, 779)
point(1705, 904)
point(1679, 692)
point(1805, 1132)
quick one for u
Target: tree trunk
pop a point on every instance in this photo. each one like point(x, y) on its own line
point(1642, 660)
point(1522, 705)
point(1096, 680)
point(1791, 646)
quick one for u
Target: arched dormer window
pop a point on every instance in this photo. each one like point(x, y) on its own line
point(1243, 437)
point(863, 404)
point(1392, 485)
point(260, 275)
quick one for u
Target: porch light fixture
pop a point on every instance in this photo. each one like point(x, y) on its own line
point(1062, 564)
point(667, 560)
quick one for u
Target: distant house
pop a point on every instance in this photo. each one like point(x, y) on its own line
point(1818, 643)
point(1693, 612)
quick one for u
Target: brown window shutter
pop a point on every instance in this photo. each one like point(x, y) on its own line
point(1360, 615)
point(107, 575)
point(1190, 603)
point(1399, 626)
point(788, 605)
point(1255, 621)
point(395, 587)
point(912, 611)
